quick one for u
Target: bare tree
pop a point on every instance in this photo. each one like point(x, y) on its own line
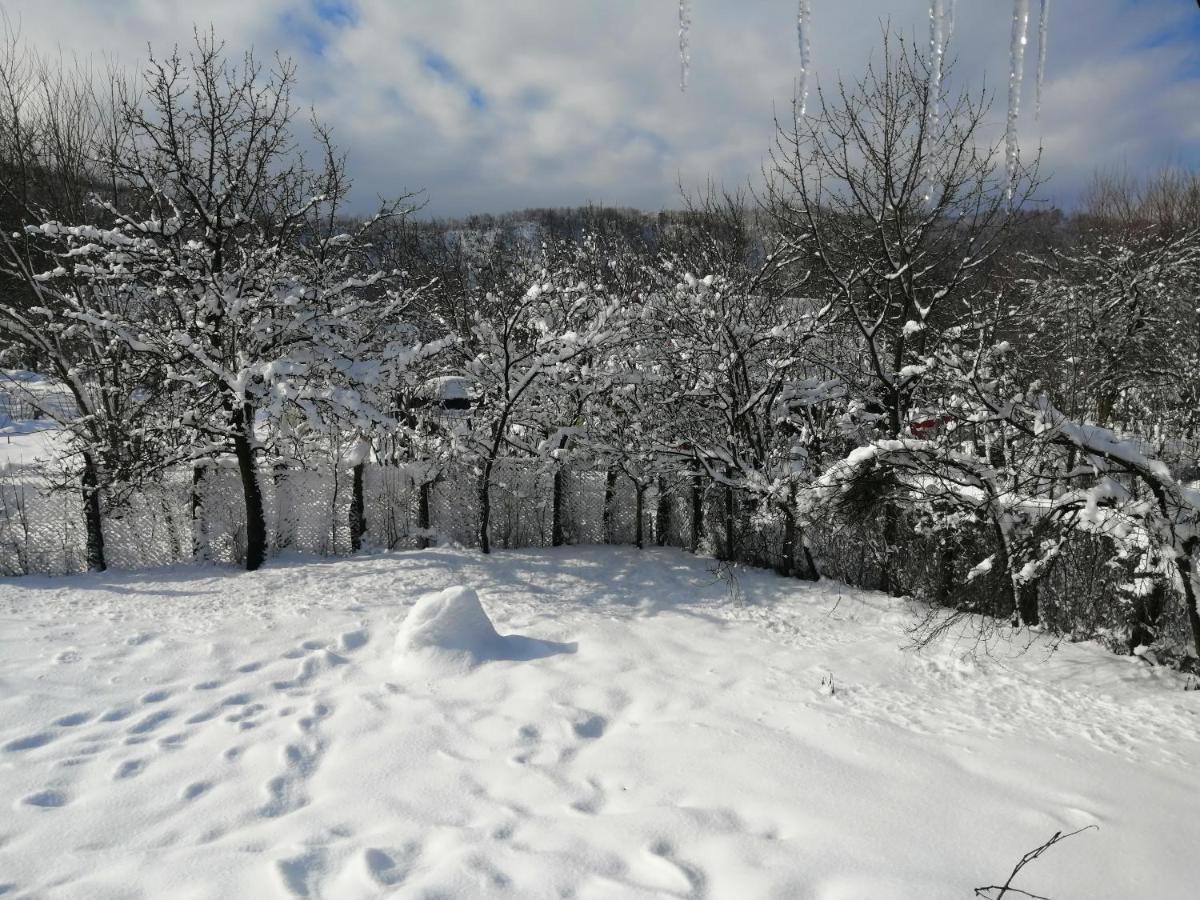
point(889, 188)
point(57, 127)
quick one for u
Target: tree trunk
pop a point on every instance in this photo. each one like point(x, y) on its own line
point(662, 515)
point(423, 514)
point(556, 524)
point(485, 506)
point(946, 560)
point(730, 511)
point(1010, 602)
point(283, 506)
point(256, 523)
point(1147, 610)
point(812, 573)
point(93, 522)
point(888, 582)
point(1183, 565)
point(610, 498)
point(639, 493)
point(1027, 603)
point(199, 531)
point(485, 481)
point(358, 518)
point(787, 555)
point(697, 529)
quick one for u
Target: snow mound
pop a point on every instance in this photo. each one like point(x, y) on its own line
point(449, 623)
point(451, 627)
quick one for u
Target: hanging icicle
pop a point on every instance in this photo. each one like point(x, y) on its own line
point(685, 59)
point(804, 39)
point(1016, 72)
point(937, 53)
point(1043, 22)
point(951, 18)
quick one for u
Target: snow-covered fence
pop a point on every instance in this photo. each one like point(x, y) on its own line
point(32, 407)
point(199, 516)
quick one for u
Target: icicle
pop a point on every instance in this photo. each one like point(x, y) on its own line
point(951, 18)
point(937, 50)
point(1016, 71)
point(685, 25)
point(1041, 67)
point(804, 39)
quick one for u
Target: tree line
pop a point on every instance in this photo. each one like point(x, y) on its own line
point(889, 339)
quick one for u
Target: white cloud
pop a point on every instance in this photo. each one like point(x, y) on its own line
point(491, 105)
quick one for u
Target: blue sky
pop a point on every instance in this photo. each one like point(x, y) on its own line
point(488, 105)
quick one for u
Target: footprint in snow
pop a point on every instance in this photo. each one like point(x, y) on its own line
point(244, 718)
point(72, 720)
point(117, 714)
point(195, 789)
point(156, 696)
point(285, 792)
point(591, 728)
point(129, 769)
point(486, 871)
point(207, 685)
point(695, 878)
point(29, 742)
point(354, 640)
point(301, 874)
point(152, 721)
point(309, 670)
point(47, 799)
point(250, 667)
point(319, 711)
point(592, 805)
point(389, 868)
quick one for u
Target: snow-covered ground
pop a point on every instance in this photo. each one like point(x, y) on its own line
point(29, 443)
point(195, 732)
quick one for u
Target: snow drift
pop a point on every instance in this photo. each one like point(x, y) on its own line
point(451, 627)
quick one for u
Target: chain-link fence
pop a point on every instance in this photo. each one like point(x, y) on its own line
point(198, 515)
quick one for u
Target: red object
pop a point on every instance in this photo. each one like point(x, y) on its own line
point(926, 427)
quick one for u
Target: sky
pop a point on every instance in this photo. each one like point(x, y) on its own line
point(492, 105)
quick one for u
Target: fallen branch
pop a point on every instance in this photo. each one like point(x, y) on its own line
point(1007, 888)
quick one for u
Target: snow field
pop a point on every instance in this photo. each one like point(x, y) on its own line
point(295, 732)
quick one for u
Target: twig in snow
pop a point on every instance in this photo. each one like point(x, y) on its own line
point(1007, 888)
